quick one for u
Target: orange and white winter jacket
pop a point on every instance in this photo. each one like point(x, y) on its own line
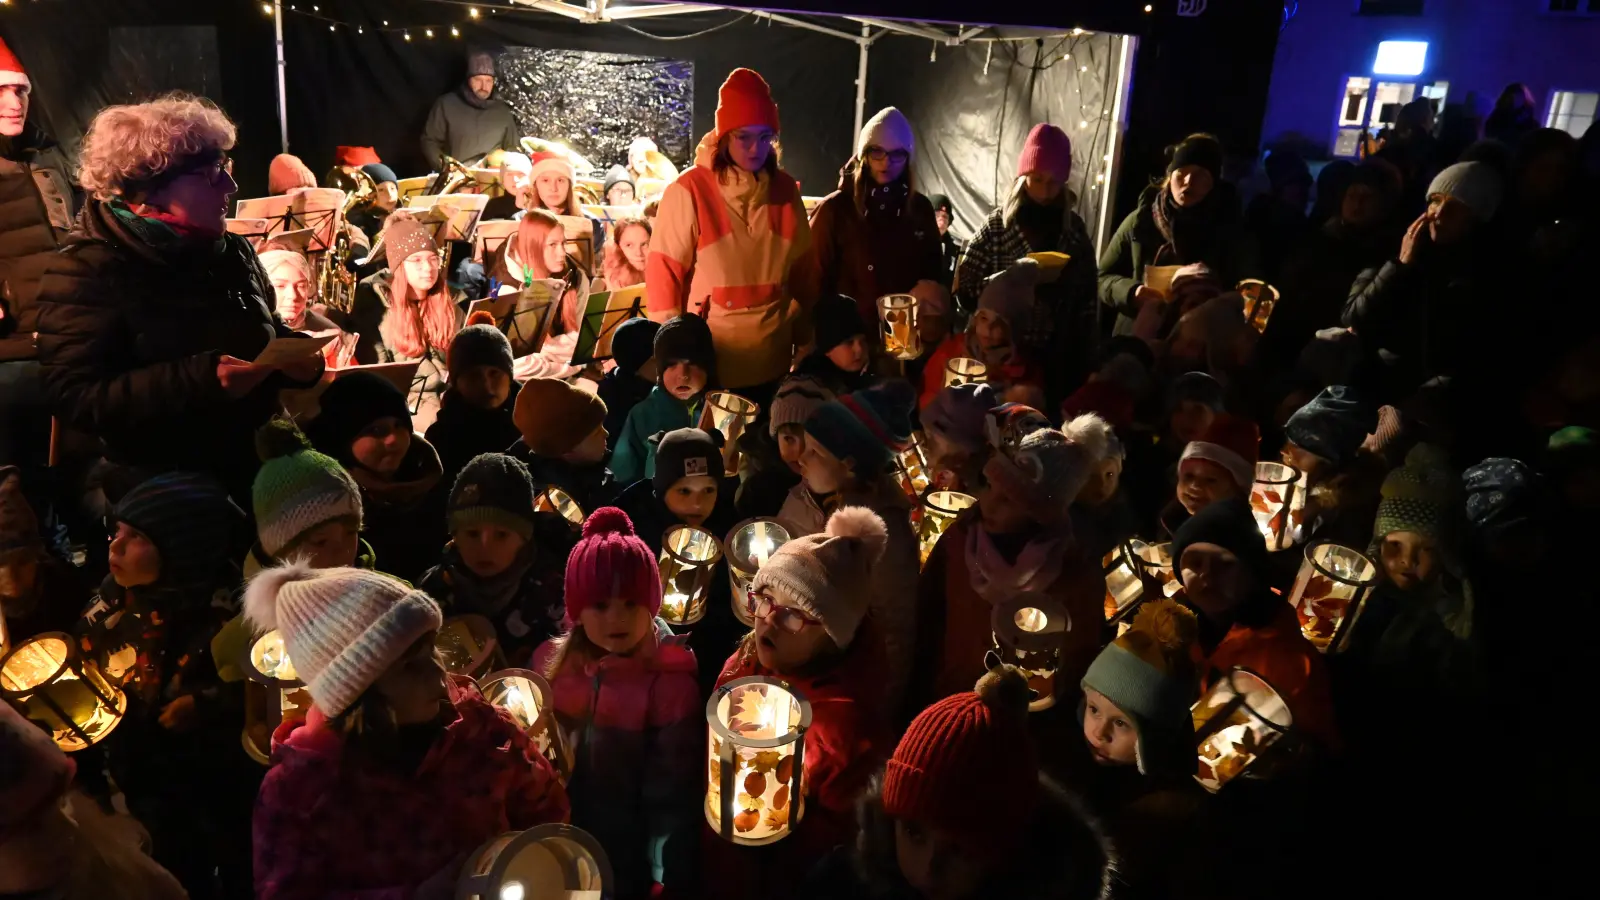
point(731, 249)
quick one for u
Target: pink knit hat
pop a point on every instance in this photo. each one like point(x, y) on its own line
point(343, 627)
point(1047, 149)
point(611, 561)
point(33, 770)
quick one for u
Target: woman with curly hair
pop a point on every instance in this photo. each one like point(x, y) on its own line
point(150, 315)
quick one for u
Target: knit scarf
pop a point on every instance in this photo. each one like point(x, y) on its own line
point(471, 99)
point(489, 596)
point(162, 231)
point(1036, 568)
point(1188, 230)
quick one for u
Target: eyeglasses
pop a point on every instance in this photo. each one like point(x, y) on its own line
point(878, 155)
point(760, 606)
point(212, 170)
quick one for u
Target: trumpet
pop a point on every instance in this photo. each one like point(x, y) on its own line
point(336, 284)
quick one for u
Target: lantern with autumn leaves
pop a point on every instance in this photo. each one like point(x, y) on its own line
point(547, 861)
point(689, 556)
point(755, 790)
point(1329, 593)
point(1234, 723)
point(64, 694)
point(1260, 299)
point(1028, 633)
point(1134, 571)
point(939, 509)
point(527, 698)
point(911, 465)
point(964, 370)
point(1277, 501)
point(897, 320)
point(554, 499)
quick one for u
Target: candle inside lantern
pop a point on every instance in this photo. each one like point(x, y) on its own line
point(756, 765)
point(1277, 502)
point(964, 370)
point(1329, 593)
point(939, 509)
point(688, 556)
point(897, 314)
point(729, 414)
point(1027, 632)
point(913, 465)
point(1234, 723)
point(1260, 299)
point(545, 861)
point(554, 499)
point(750, 544)
point(66, 695)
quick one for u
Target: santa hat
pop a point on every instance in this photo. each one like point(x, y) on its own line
point(1230, 442)
point(548, 162)
point(745, 100)
point(888, 131)
point(11, 71)
point(355, 157)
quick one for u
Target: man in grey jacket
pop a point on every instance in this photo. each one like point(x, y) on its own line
point(470, 122)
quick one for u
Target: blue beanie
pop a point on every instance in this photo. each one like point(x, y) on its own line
point(190, 520)
point(866, 425)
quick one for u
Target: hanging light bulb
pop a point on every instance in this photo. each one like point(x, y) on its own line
point(472, 11)
point(428, 32)
point(266, 8)
point(454, 32)
point(330, 27)
point(408, 35)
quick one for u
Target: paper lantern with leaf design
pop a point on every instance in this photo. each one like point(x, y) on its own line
point(755, 787)
point(527, 698)
point(1277, 501)
point(1028, 633)
point(911, 468)
point(1260, 299)
point(545, 862)
point(1330, 592)
point(964, 370)
point(66, 695)
point(1234, 724)
point(554, 499)
point(897, 323)
point(939, 509)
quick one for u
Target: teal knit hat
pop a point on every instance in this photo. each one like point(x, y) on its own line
point(297, 488)
point(1149, 675)
point(1423, 496)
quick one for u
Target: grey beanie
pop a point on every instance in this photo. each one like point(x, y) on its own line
point(1475, 184)
point(479, 62)
point(797, 398)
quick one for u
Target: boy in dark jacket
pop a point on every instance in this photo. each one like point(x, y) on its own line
point(475, 411)
point(563, 441)
point(505, 561)
point(175, 755)
point(842, 357)
point(626, 386)
point(686, 365)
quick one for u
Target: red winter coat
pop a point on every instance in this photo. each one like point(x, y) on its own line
point(848, 740)
point(1279, 653)
point(1002, 378)
point(326, 829)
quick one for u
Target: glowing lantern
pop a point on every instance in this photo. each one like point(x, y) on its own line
point(528, 699)
point(964, 370)
point(544, 861)
point(1333, 585)
point(468, 646)
point(52, 686)
point(5, 636)
point(939, 509)
point(1234, 723)
point(750, 544)
point(1134, 570)
point(273, 693)
point(729, 414)
point(1260, 299)
point(1277, 500)
point(897, 315)
point(554, 499)
point(755, 792)
point(1028, 630)
point(688, 556)
point(912, 466)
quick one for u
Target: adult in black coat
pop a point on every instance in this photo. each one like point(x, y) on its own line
point(469, 122)
point(150, 314)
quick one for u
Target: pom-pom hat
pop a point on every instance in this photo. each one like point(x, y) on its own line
point(611, 561)
point(828, 576)
point(297, 489)
point(1148, 674)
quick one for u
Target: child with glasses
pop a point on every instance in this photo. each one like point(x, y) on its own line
point(812, 631)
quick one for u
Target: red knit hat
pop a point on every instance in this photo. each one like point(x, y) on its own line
point(611, 561)
point(355, 156)
point(1232, 443)
point(11, 71)
point(967, 765)
point(745, 100)
point(1047, 149)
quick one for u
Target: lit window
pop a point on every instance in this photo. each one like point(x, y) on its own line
point(1572, 111)
point(1400, 58)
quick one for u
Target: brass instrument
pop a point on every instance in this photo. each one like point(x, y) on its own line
point(453, 175)
point(336, 284)
point(588, 194)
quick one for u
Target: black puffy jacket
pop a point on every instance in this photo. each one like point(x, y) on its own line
point(129, 337)
point(36, 202)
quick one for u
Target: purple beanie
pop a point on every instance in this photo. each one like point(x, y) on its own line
point(957, 413)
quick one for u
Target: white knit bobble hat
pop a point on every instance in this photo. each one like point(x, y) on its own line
point(828, 576)
point(343, 627)
point(890, 130)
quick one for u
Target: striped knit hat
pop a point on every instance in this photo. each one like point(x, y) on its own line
point(343, 627)
point(1423, 496)
point(797, 398)
point(190, 520)
point(297, 489)
point(493, 489)
point(866, 425)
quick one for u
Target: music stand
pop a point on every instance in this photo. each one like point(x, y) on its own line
point(602, 315)
point(611, 215)
point(490, 236)
point(459, 214)
point(524, 317)
point(319, 209)
point(412, 188)
point(253, 230)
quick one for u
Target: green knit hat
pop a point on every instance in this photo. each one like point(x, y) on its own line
point(493, 489)
point(297, 488)
point(1422, 496)
point(1149, 674)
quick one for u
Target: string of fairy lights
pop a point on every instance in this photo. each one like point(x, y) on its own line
point(424, 31)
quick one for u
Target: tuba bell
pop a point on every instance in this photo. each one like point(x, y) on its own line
point(336, 284)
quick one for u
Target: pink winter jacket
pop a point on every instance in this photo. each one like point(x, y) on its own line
point(328, 830)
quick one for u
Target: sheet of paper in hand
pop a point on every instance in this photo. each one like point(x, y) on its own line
point(602, 314)
point(1051, 263)
point(1159, 278)
point(523, 316)
point(303, 403)
point(285, 350)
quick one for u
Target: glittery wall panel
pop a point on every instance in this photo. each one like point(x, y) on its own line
point(597, 103)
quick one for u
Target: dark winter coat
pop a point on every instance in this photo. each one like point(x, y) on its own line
point(635, 457)
point(36, 207)
point(887, 251)
point(1138, 242)
point(468, 129)
point(1315, 285)
point(131, 324)
point(403, 518)
point(591, 486)
point(462, 431)
point(621, 392)
point(524, 602)
point(765, 479)
point(1062, 309)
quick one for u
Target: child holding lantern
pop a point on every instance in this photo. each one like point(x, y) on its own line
point(625, 691)
point(399, 770)
point(813, 632)
point(1005, 312)
point(504, 560)
point(686, 365)
point(563, 440)
point(1324, 440)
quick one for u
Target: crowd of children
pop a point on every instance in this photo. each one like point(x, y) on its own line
point(933, 768)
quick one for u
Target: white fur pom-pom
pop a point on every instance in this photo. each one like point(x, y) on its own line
point(862, 524)
point(261, 595)
point(1092, 432)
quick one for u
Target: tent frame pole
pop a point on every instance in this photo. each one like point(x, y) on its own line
point(865, 47)
point(283, 91)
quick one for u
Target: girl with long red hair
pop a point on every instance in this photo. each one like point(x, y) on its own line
point(538, 252)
